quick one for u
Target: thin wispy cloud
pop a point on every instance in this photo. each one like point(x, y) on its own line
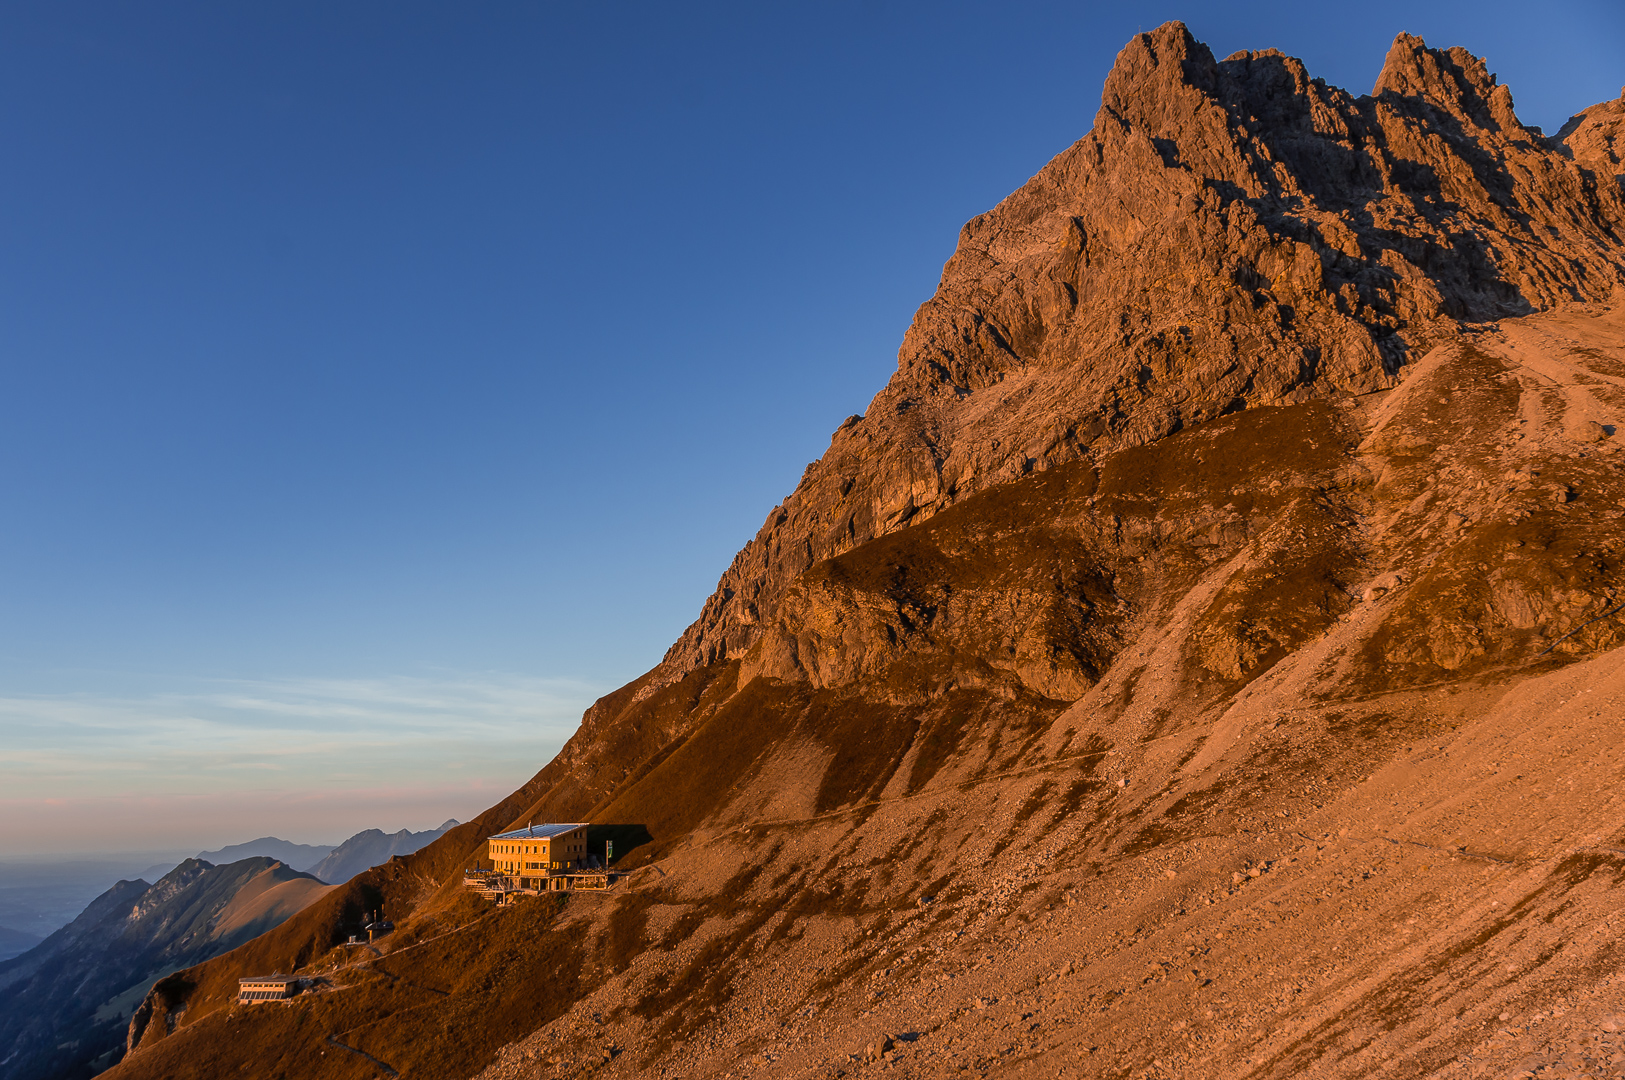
point(325, 740)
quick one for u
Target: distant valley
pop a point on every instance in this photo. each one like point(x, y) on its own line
point(13, 942)
point(39, 895)
point(66, 1001)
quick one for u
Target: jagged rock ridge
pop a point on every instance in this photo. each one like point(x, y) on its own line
point(1229, 233)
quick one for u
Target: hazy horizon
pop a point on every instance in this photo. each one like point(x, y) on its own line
point(42, 891)
point(225, 761)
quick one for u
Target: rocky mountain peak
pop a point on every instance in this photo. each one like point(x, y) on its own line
point(1228, 234)
point(1451, 80)
point(1158, 76)
point(1595, 139)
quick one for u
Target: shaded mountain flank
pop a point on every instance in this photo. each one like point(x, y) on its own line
point(133, 934)
point(1200, 661)
point(65, 1005)
point(370, 847)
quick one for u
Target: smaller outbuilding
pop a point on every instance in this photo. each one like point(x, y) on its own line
point(257, 988)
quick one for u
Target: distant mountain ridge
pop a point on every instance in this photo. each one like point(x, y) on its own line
point(332, 863)
point(65, 1004)
point(300, 856)
point(367, 849)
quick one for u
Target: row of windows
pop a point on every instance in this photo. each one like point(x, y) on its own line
point(531, 849)
point(260, 995)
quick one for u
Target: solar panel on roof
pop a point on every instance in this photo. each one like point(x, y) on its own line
point(539, 832)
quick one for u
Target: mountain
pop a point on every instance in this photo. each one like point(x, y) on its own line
point(367, 849)
point(65, 1004)
point(233, 895)
point(331, 863)
point(303, 856)
point(1201, 659)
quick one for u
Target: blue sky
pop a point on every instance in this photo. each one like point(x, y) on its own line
point(381, 382)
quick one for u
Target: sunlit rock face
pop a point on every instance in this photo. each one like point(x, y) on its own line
point(1229, 234)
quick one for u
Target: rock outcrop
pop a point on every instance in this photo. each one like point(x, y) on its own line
point(1156, 678)
point(1595, 139)
point(1230, 234)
